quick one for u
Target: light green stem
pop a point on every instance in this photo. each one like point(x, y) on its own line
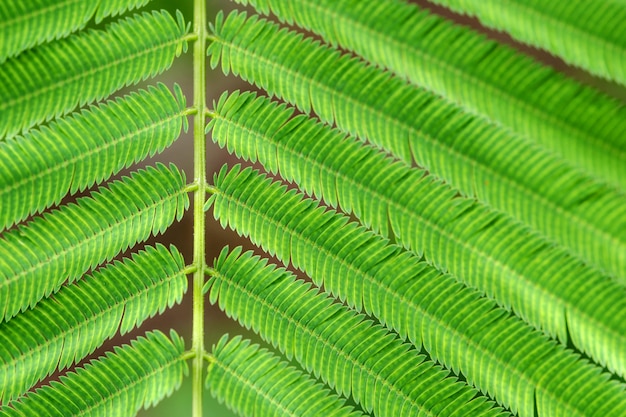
point(199, 261)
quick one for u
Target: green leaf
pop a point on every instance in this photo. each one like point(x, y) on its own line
point(349, 353)
point(120, 384)
point(253, 382)
point(495, 351)
point(64, 329)
point(117, 7)
point(552, 197)
point(27, 23)
point(36, 258)
point(586, 34)
point(85, 67)
point(543, 283)
point(75, 152)
point(573, 121)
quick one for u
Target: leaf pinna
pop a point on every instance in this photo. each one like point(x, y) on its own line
point(358, 94)
point(350, 353)
point(133, 377)
point(73, 153)
point(575, 38)
point(66, 328)
point(569, 211)
point(26, 23)
point(67, 242)
point(483, 248)
point(492, 79)
point(255, 382)
point(454, 323)
point(85, 67)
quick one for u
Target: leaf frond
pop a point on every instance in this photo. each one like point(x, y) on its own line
point(454, 323)
point(351, 354)
point(132, 377)
point(541, 282)
point(589, 35)
point(62, 245)
point(85, 67)
point(371, 103)
point(254, 382)
point(383, 31)
point(566, 205)
point(27, 23)
point(65, 329)
point(75, 152)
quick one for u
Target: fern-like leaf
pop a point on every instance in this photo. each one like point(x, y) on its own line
point(541, 282)
point(80, 317)
point(73, 153)
point(494, 350)
point(372, 104)
point(253, 382)
point(84, 68)
point(27, 23)
point(120, 384)
point(351, 354)
point(39, 256)
point(587, 34)
point(575, 211)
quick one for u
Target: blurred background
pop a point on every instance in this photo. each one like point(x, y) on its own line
point(180, 234)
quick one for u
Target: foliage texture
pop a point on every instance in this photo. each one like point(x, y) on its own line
point(459, 209)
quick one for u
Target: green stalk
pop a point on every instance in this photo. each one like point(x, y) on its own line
point(199, 150)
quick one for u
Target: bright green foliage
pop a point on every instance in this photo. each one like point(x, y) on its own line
point(73, 153)
point(495, 351)
point(254, 382)
point(541, 282)
point(478, 158)
point(576, 122)
point(41, 255)
point(63, 330)
point(26, 23)
point(50, 316)
point(85, 67)
point(573, 210)
point(351, 354)
point(134, 377)
point(117, 7)
point(587, 34)
point(538, 149)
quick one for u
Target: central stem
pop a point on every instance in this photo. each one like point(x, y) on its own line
point(199, 151)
